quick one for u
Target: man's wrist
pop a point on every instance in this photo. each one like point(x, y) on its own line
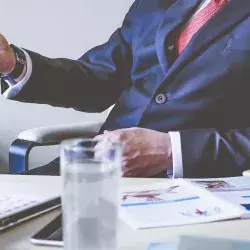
point(20, 62)
point(19, 66)
point(15, 88)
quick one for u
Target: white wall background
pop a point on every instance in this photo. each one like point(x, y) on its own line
point(54, 28)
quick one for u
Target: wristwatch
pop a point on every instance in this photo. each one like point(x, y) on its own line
point(19, 67)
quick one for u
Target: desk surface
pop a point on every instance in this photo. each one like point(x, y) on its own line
point(18, 238)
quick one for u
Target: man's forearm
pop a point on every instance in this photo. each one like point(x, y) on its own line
point(92, 83)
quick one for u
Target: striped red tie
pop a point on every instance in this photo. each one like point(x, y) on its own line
point(197, 22)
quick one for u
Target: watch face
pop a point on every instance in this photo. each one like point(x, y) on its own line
point(20, 60)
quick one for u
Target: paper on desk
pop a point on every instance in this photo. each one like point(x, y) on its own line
point(235, 190)
point(223, 184)
point(198, 243)
point(162, 246)
point(160, 205)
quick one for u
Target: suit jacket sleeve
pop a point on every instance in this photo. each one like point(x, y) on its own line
point(210, 153)
point(92, 83)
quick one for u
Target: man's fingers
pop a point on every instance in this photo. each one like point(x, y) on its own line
point(137, 162)
point(148, 171)
point(132, 173)
point(135, 173)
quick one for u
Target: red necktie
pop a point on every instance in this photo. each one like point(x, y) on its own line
point(197, 22)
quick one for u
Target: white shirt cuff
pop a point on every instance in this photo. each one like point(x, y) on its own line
point(177, 171)
point(13, 90)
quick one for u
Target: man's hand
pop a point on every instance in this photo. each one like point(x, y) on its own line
point(146, 153)
point(7, 57)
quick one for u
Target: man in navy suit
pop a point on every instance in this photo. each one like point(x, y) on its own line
point(178, 73)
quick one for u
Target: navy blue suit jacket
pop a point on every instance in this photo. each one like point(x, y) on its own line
point(207, 87)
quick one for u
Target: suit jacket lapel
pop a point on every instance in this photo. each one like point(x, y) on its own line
point(178, 13)
point(234, 12)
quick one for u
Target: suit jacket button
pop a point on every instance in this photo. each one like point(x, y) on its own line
point(171, 48)
point(160, 98)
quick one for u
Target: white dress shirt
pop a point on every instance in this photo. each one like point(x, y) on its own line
point(177, 171)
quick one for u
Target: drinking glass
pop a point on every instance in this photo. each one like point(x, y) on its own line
point(91, 173)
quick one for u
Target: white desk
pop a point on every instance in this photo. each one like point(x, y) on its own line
point(18, 237)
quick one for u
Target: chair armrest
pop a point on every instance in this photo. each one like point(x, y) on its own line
point(53, 134)
point(20, 148)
